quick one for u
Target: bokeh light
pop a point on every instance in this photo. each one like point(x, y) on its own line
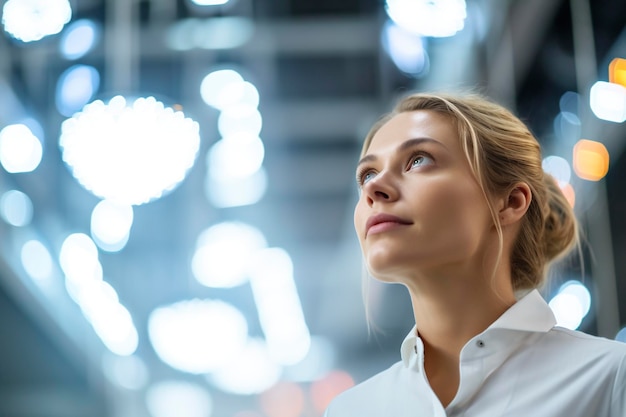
point(16, 208)
point(234, 192)
point(197, 336)
point(222, 88)
point(557, 167)
point(222, 254)
point(591, 160)
point(37, 261)
point(608, 101)
point(617, 71)
point(571, 304)
point(129, 153)
point(278, 305)
point(434, 18)
point(20, 149)
point(110, 225)
point(407, 50)
point(236, 157)
point(79, 38)
point(75, 87)
point(31, 20)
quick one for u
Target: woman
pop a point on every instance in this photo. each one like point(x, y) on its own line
point(454, 205)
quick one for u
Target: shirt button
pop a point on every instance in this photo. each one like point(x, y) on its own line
point(480, 343)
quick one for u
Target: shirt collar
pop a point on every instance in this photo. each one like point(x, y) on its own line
point(529, 314)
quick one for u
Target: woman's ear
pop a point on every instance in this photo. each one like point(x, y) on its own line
point(515, 204)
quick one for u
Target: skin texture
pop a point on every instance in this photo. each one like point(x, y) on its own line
point(415, 169)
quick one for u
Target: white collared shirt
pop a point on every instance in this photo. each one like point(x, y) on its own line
point(520, 366)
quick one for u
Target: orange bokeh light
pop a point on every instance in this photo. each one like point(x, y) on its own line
point(591, 160)
point(327, 388)
point(617, 71)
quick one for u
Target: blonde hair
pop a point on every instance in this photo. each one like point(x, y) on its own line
point(501, 152)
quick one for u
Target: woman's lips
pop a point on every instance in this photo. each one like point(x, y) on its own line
point(383, 222)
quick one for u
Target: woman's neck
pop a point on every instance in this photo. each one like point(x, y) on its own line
point(448, 313)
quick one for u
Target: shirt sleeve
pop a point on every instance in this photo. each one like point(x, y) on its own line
point(618, 403)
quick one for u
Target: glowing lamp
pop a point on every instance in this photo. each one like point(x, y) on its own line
point(591, 160)
point(617, 71)
point(608, 101)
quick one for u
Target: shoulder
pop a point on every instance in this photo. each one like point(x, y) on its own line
point(369, 396)
point(587, 343)
point(586, 353)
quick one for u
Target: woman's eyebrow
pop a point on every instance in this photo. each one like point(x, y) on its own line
point(403, 147)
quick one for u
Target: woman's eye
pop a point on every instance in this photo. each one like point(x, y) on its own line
point(365, 177)
point(420, 160)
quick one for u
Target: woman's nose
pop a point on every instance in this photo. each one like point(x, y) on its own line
point(380, 189)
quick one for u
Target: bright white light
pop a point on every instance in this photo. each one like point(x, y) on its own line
point(78, 38)
point(129, 372)
point(31, 20)
point(251, 373)
point(129, 154)
point(75, 87)
point(79, 259)
point(96, 299)
point(178, 399)
point(223, 88)
point(222, 253)
point(578, 290)
point(558, 167)
point(608, 101)
point(567, 310)
point(37, 261)
point(238, 119)
point(209, 2)
point(16, 208)
point(278, 304)
point(197, 336)
point(436, 18)
point(20, 150)
point(237, 156)
point(236, 192)
point(405, 49)
point(110, 224)
point(114, 326)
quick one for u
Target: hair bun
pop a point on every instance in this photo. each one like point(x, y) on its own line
point(560, 230)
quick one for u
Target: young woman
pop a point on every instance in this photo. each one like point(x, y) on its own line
point(455, 206)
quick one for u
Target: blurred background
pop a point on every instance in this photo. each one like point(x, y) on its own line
point(177, 188)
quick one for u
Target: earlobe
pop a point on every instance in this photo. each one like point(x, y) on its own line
point(515, 204)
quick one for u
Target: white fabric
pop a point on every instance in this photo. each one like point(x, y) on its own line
point(522, 365)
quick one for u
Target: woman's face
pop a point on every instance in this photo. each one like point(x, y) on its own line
point(420, 209)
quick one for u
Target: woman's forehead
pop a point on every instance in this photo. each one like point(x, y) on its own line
point(415, 124)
